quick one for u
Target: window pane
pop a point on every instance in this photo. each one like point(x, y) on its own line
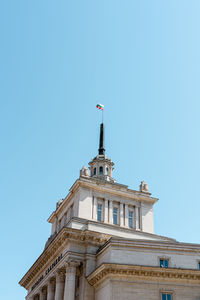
point(99, 212)
point(161, 263)
point(101, 170)
point(169, 297)
point(115, 213)
point(95, 170)
point(199, 265)
point(130, 219)
point(164, 297)
point(166, 265)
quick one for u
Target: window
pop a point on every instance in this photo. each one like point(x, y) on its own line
point(115, 215)
point(99, 212)
point(130, 219)
point(95, 171)
point(100, 170)
point(199, 265)
point(164, 264)
point(166, 296)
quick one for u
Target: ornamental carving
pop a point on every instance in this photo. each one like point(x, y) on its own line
point(144, 273)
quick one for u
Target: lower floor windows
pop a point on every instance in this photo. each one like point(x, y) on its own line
point(166, 296)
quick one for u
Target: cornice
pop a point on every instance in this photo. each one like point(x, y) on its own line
point(56, 246)
point(116, 190)
point(117, 271)
point(95, 184)
point(151, 245)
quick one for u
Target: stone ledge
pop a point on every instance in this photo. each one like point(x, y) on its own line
point(133, 272)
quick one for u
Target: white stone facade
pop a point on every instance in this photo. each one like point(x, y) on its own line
point(103, 246)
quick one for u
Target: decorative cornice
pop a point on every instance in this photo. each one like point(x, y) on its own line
point(117, 271)
point(57, 246)
point(111, 188)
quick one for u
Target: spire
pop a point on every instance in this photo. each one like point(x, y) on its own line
point(101, 140)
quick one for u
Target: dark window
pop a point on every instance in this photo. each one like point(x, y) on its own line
point(99, 212)
point(130, 219)
point(199, 265)
point(95, 171)
point(166, 296)
point(100, 170)
point(115, 215)
point(164, 263)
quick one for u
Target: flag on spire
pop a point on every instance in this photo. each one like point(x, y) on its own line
point(100, 106)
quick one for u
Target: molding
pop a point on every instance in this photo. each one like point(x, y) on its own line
point(117, 271)
point(95, 184)
point(57, 246)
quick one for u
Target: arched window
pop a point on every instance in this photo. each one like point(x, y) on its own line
point(95, 171)
point(101, 170)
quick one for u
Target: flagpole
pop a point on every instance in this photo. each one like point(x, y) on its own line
point(102, 115)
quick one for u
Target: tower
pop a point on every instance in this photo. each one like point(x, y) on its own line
point(101, 166)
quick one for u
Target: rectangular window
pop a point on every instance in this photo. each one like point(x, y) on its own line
point(115, 215)
point(199, 265)
point(166, 296)
point(99, 212)
point(130, 219)
point(164, 263)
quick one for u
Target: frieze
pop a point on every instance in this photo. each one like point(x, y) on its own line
point(143, 272)
point(47, 271)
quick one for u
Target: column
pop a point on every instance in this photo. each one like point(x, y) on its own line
point(121, 214)
point(126, 215)
point(60, 282)
point(95, 209)
point(136, 218)
point(106, 211)
point(69, 293)
point(51, 289)
point(42, 294)
point(110, 212)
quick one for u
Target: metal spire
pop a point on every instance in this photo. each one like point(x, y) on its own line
point(101, 140)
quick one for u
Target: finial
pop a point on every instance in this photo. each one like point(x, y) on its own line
point(101, 140)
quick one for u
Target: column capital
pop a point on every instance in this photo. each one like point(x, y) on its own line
point(71, 266)
point(60, 275)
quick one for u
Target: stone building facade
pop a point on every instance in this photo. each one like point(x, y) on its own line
point(103, 246)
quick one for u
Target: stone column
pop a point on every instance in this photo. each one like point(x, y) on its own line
point(60, 282)
point(42, 294)
point(121, 214)
point(110, 212)
point(95, 209)
point(106, 211)
point(51, 289)
point(69, 293)
point(126, 215)
point(136, 218)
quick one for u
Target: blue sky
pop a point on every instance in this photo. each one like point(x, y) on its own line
point(58, 60)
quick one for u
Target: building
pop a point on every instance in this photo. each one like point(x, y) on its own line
point(103, 246)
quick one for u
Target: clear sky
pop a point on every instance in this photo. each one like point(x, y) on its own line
point(58, 59)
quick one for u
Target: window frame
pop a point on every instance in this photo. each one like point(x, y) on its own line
point(131, 211)
point(99, 203)
point(100, 168)
point(164, 258)
point(115, 206)
point(167, 293)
